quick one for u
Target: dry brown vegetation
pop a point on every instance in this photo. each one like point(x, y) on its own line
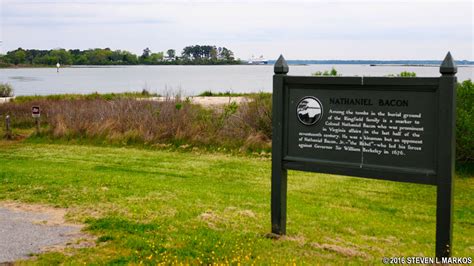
point(128, 121)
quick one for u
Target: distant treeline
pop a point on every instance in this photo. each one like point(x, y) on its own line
point(191, 55)
point(371, 62)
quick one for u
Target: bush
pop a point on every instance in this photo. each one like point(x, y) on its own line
point(206, 94)
point(332, 72)
point(209, 93)
point(6, 90)
point(407, 74)
point(403, 74)
point(465, 122)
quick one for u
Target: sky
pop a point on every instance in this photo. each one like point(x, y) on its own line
point(330, 29)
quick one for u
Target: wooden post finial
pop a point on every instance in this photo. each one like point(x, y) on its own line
point(281, 67)
point(448, 67)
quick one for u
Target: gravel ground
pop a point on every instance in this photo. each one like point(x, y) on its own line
point(23, 233)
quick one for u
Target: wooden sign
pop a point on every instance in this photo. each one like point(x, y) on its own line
point(35, 111)
point(399, 129)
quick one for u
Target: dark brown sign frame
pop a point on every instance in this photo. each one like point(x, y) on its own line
point(440, 173)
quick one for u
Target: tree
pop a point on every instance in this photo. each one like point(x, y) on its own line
point(195, 54)
point(227, 54)
point(213, 53)
point(98, 56)
point(155, 58)
point(206, 51)
point(116, 57)
point(81, 60)
point(62, 56)
point(17, 56)
point(45, 60)
point(144, 58)
point(146, 53)
point(171, 53)
point(130, 58)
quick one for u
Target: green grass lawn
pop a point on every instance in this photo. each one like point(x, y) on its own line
point(166, 206)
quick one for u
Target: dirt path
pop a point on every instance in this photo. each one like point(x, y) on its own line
point(31, 229)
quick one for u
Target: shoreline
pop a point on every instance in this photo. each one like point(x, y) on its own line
point(374, 64)
point(206, 101)
point(104, 66)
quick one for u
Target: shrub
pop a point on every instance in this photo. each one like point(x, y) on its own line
point(209, 93)
point(6, 90)
point(403, 74)
point(407, 74)
point(465, 122)
point(332, 72)
point(206, 93)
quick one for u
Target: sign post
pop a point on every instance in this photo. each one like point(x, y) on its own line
point(279, 173)
point(446, 157)
point(36, 114)
point(8, 129)
point(398, 129)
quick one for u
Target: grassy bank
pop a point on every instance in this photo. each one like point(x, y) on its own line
point(162, 206)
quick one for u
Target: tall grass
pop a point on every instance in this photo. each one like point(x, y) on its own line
point(127, 121)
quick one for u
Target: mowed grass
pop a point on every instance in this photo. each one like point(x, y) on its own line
point(152, 206)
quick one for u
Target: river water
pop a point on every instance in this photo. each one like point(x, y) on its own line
point(186, 80)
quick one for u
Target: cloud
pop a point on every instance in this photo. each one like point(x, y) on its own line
point(247, 27)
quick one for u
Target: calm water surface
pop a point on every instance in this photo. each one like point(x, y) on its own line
point(187, 80)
